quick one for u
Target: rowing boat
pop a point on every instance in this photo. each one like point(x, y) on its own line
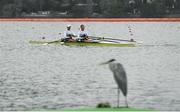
point(95, 43)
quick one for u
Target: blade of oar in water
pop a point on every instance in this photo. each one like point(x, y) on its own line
point(103, 38)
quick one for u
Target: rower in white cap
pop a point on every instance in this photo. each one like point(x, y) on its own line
point(69, 35)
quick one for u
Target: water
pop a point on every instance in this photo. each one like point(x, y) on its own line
point(36, 77)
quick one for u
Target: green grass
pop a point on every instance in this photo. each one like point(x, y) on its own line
point(103, 110)
point(102, 107)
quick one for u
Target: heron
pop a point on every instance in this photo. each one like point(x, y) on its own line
point(120, 78)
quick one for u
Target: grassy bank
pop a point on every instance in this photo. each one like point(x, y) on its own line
point(103, 109)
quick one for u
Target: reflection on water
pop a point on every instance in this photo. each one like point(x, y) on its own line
point(51, 76)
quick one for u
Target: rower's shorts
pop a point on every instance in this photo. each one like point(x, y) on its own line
point(79, 40)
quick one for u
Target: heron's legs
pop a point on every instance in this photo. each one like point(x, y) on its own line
point(126, 102)
point(118, 101)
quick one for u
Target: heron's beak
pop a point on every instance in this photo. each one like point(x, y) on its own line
point(104, 63)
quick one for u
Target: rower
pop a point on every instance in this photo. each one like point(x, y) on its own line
point(83, 35)
point(68, 35)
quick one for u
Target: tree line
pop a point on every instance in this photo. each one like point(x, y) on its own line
point(90, 8)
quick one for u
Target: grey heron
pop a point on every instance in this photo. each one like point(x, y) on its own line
point(120, 78)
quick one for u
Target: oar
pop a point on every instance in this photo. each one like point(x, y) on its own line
point(111, 41)
point(59, 40)
point(46, 43)
point(54, 41)
point(104, 38)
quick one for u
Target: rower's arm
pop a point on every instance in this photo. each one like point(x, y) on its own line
point(65, 34)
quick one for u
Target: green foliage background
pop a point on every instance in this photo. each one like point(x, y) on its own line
point(91, 8)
